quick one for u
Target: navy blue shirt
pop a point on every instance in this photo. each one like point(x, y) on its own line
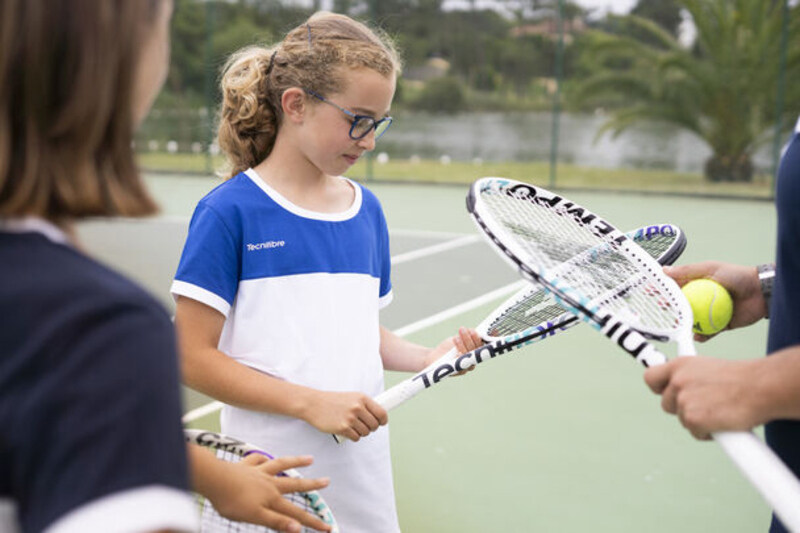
point(784, 323)
point(89, 385)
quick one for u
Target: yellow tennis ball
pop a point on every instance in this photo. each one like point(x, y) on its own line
point(712, 305)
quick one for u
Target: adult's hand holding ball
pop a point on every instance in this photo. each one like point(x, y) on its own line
point(711, 304)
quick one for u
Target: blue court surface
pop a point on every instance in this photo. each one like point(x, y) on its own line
point(560, 436)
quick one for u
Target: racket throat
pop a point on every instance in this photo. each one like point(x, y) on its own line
point(630, 340)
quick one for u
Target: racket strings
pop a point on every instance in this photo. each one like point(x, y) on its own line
point(533, 306)
point(656, 245)
point(594, 268)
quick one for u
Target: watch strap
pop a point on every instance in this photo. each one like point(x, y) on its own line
point(766, 277)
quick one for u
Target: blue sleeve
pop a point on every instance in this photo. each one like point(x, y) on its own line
point(210, 265)
point(105, 415)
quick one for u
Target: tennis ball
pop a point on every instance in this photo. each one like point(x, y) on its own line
point(711, 304)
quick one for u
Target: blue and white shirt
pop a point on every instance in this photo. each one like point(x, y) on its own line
point(301, 292)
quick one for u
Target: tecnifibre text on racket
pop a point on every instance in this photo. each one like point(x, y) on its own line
point(598, 273)
point(231, 449)
point(530, 315)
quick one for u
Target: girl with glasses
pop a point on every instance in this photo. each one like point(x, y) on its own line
point(287, 264)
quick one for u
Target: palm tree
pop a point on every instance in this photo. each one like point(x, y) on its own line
point(723, 89)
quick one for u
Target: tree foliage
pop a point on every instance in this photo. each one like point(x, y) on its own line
point(723, 89)
point(480, 44)
point(665, 13)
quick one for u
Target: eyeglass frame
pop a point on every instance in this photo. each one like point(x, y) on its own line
point(356, 118)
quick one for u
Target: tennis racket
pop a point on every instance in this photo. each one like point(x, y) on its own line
point(230, 449)
point(529, 316)
point(601, 275)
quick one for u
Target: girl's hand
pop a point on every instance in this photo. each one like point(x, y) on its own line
point(349, 414)
point(466, 341)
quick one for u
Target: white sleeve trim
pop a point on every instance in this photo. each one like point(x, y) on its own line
point(149, 508)
point(8, 517)
point(181, 288)
point(386, 299)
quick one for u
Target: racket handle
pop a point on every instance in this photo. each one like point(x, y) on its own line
point(407, 389)
point(766, 472)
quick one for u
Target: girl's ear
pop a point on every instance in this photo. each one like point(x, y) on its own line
point(293, 102)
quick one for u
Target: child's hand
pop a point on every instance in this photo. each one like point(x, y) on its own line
point(466, 341)
point(256, 493)
point(349, 414)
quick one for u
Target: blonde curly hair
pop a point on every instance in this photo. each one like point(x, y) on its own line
point(311, 56)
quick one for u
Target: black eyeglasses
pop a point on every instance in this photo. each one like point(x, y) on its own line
point(362, 124)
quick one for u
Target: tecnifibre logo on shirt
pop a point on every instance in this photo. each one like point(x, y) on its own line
point(265, 245)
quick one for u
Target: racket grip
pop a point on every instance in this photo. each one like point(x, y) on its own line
point(407, 389)
point(766, 472)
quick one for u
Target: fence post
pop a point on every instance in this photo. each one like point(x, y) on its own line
point(776, 143)
point(208, 84)
point(557, 95)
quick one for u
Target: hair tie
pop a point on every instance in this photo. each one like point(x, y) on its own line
point(271, 62)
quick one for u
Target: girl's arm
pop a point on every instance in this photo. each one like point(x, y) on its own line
point(210, 371)
point(405, 356)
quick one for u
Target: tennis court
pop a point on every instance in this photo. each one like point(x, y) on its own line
point(559, 436)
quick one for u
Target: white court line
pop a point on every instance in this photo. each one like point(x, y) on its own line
point(202, 411)
point(427, 233)
point(435, 249)
point(404, 331)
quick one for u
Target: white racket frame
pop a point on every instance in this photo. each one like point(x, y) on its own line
point(452, 363)
point(760, 465)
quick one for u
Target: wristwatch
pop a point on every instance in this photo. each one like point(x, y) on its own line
point(766, 277)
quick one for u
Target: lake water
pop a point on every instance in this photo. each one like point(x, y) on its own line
point(526, 136)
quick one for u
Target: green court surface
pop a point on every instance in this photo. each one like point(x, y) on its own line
point(560, 436)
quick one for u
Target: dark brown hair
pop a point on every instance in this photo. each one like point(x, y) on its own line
point(68, 70)
point(311, 56)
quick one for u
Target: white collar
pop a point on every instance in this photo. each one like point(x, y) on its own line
point(284, 202)
point(34, 225)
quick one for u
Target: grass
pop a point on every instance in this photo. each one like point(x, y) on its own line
point(537, 172)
